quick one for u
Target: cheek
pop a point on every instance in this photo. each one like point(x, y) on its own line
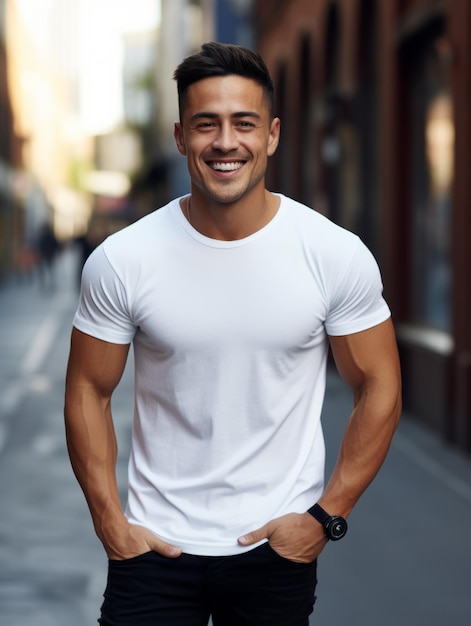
point(195, 148)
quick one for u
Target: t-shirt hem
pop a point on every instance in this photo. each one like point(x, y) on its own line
point(100, 333)
point(214, 550)
point(358, 326)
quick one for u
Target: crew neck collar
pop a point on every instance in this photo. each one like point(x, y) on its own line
point(219, 243)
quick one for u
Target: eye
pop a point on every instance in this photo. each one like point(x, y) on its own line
point(245, 124)
point(205, 125)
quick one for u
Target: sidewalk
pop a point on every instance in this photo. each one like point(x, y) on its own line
point(31, 315)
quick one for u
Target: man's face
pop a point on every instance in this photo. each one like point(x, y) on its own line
point(227, 135)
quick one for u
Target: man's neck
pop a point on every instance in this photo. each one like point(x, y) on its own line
point(230, 221)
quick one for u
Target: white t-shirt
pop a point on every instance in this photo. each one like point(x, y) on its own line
point(230, 348)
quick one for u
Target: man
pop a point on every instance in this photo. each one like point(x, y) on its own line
point(230, 296)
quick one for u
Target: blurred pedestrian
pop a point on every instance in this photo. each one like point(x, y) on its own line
point(99, 227)
point(230, 296)
point(47, 250)
point(95, 234)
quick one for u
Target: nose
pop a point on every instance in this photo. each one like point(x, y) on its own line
point(226, 138)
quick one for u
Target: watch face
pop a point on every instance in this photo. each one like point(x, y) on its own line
point(336, 528)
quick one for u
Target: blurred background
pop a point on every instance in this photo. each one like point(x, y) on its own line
point(375, 102)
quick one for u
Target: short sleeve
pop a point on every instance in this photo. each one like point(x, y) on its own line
point(103, 310)
point(357, 301)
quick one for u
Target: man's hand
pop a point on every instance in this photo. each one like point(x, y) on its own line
point(133, 541)
point(297, 537)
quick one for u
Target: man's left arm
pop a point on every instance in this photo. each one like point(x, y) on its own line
point(368, 362)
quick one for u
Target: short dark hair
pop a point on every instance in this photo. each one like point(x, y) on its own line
point(219, 59)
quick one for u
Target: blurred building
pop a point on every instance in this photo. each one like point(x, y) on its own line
point(43, 48)
point(120, 153)
point(10, 163)
point(6, 156)
point(233, 21)
point(69, 103)
point(375, 101)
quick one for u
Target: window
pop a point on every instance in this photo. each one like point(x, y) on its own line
point(432, 178)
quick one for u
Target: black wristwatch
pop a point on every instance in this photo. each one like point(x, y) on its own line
point(335, 527)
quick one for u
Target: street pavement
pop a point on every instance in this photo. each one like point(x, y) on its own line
point(406, 559)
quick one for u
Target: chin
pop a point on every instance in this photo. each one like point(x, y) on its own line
point(227, 198)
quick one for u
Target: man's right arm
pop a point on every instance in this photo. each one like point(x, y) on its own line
point(94, 370)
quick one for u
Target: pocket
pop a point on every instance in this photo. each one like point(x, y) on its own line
point(276, 556)
point(131, 561)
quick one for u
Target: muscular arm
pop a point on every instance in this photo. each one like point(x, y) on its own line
point(369, 364)
point(94, 370)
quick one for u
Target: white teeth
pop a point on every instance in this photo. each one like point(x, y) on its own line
point(226, 167)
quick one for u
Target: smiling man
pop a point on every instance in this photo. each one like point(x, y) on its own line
point(230, 297)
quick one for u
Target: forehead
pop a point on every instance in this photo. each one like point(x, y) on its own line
point(225, 94)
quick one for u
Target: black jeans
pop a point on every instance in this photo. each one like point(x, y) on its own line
point(256, 588)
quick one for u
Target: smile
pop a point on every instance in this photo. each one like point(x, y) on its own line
point(226, 167)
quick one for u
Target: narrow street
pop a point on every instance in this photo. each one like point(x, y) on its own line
point(405, 561)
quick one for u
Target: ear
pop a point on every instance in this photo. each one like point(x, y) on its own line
point(179, 140)
point(274, 136)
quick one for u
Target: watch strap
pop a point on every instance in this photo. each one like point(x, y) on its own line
point(319, 514)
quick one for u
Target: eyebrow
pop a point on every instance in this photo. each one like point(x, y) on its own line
point(213, 116)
